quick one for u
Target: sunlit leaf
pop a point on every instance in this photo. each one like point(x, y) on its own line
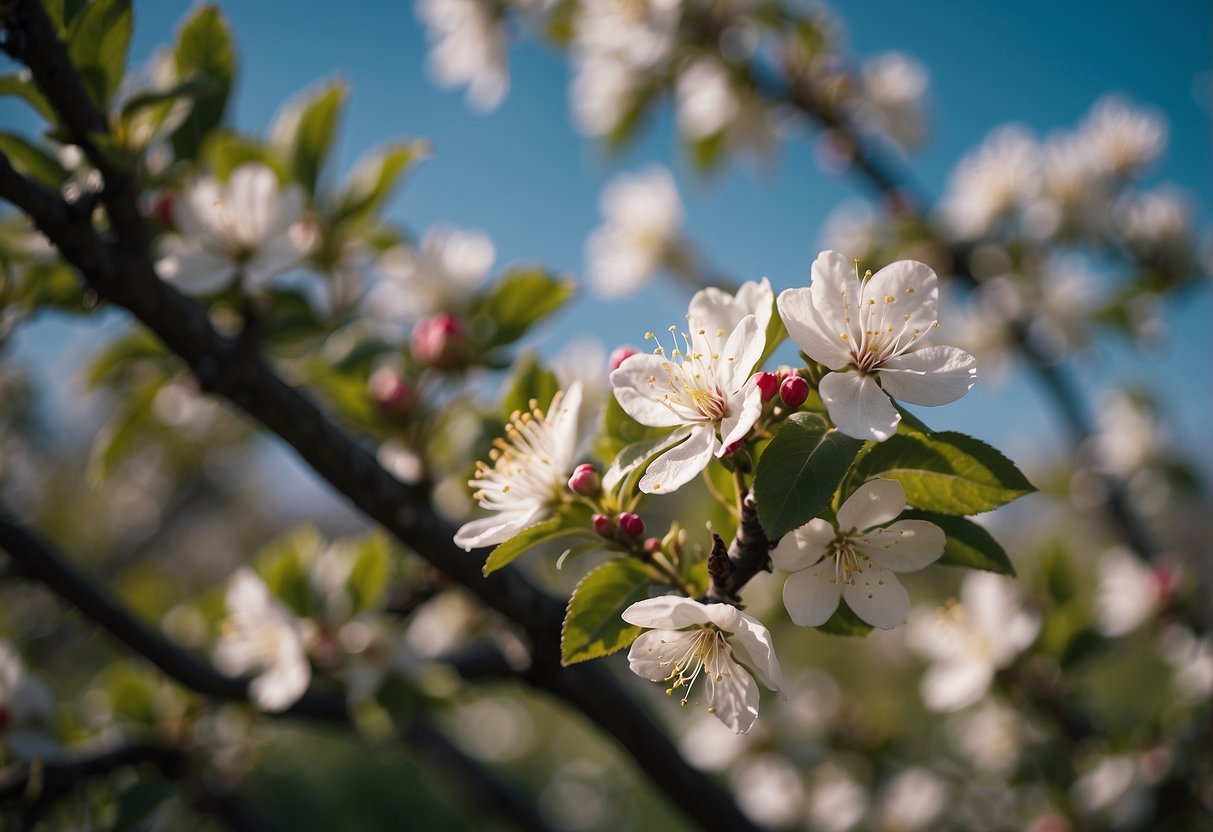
point(592, 626)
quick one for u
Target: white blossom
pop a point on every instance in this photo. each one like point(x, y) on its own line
point(27, 708)
point(836, 801)
point(260, 634)
point(890, 101)
point(1191, 658)
point(530, 469)
point(912, 800)
point(871, 328)
point(968, 641)
point(467, 48)
point(1126, 595)
point(642, 215)
point(990, 737)
point(718, 642)
point(707, 103)
point(415, 283)
point(703, 388)
point(238, 230)
point(856, 559)
point(1123, 139)
point(990, 184)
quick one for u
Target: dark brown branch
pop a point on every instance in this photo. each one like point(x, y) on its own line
point(747, 555)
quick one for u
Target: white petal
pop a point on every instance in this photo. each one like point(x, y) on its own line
point(837, 295)
point(639, 397)
point(196, 271)
point(929, 376)
point(874, 503)
point(915, 292)
point(741, 352)
point(905, 546)
point(254, 192)
point(670, 611)
point(858, 407)
point(682, 463)
point(494, 529)
point(805, 326)
point(950, 686)
point(878, 597)
point(282, 684)
point(733, 695)
point(803, 547)
point(812, 596)
point(653, 653)
point(744, 410)
point(275, 256)
point(751, 642)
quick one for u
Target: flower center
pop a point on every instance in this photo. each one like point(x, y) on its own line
point(528, 464)
point(689, 388)
point(883, 330)
point(705, 649)
point(848, 561)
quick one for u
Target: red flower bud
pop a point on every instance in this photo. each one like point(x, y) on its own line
point(619, 355)
point(585, 480)
point(4, 716)
point(440, 342)
point(391, 393)
point(604, 526)
point(794, 391)
point(768, 383)
point(631, 524)
point(652, 545)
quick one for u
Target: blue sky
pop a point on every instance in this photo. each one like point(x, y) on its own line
point(523, 175)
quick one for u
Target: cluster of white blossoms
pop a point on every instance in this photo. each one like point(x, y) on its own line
point(244, 230)
point(1068, 182)
point(467, 48)
point(640, 235)
point(889, 102)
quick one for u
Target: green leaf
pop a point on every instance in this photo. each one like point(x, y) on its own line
point(33, 161)
point(797, 474)
point(968, 543)
point(777, 333)
point(515, 303)
point(844, 622)
point(531, 382)
point(136, 802)
point(592, 626)
point(369, 574)
point(224, 151)
point(527, 539)
point(125, 433)
point(108, 366)
point(204, 52)
point(946, 472)
point(24, 88)
point(374, 178)
point(284, 564)
point(63, 12)
point(632, 458)
point(304, 132)
point(97, 44)
point(619, 431)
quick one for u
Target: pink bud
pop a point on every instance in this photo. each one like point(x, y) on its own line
point(603, 526)
point(1166, 582)
point(619, 355)
point(585, 480)
point(162, 210)
point(391, 393)
point(652, 545)
point(794, 391)
point(768, 383)
point(4, 716)
point(440, 342)
point(732, 446)
point(631, 524)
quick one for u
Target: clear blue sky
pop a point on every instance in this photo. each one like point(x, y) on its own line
point(522, 174)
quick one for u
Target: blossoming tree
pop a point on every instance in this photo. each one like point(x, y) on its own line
point(655, 504)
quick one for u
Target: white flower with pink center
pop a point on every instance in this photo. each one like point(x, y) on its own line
point(869, 332)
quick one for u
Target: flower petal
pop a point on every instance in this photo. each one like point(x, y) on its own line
point(930, 376)
point(949, 686)
point(858, 407)
point(874, 503)
point(732, 695)
point(806, 327)
point(653, 653)
point(878, 597)
point(670, 611)
point(751, 642)
point(905, 546)
point(744, 409)
point(496, 528)
point(915, 292)
point(811, 596)
point(803, 547)
point(739, 355)
point(281, 685)
point(682, 463)
point(636, 390)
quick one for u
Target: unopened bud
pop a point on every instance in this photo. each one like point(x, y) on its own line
point(440, 342)
point(1166, 582)
point(631, 524)
point(391, 393)
point(768, 383)
point(603, 526)
point(794, 391)
point(162, 210)
point(5, 715)
point(619, 355)
point(652, 545)
point(585, 480)
point(732, 446)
